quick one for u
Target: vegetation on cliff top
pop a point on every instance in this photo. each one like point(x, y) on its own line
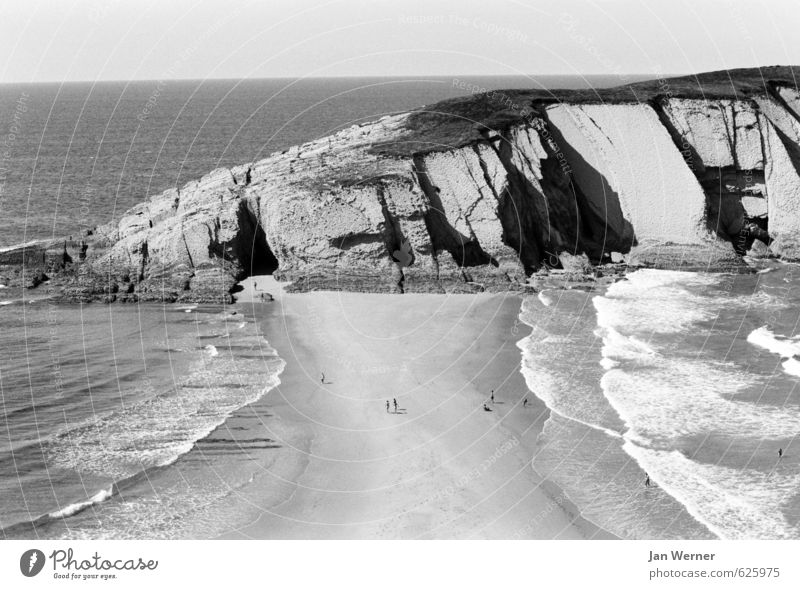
point(458, 121)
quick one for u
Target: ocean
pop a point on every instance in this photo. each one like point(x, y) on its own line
point(688, 378)
point(115, 420)
point(107, 403)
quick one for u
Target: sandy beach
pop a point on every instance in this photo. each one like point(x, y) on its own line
point(440, 466)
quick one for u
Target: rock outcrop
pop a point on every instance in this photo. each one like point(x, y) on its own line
point(473, 194)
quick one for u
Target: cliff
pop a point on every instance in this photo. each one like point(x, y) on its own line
point(474, 193)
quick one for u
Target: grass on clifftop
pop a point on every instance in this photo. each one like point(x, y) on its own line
point(456, 122)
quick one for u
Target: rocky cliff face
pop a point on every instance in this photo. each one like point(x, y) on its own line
point(473, 194)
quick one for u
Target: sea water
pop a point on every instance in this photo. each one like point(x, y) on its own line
point(102, 406)
point(689, 378)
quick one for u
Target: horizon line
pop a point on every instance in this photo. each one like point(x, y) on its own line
point(344, 77)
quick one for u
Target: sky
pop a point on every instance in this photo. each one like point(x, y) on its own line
point(72, 40)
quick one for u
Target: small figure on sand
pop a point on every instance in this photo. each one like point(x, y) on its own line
point(322, 377)
point(780, 453)
point(525, 403)
point(646, 480)
point(492, 397)
point(395, 404)
point(387, 405)
point(255, 285)
point(486, 407)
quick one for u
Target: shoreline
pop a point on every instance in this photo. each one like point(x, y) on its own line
point(441, 467)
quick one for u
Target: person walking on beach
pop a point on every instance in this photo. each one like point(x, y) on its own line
point(387, 405)
point(646, 480)
point(780, 453)
point(395, 404)
point(322, 377)
point(525, 403)
point(492, 397)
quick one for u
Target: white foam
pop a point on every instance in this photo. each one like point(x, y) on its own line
point(608, 363)
point(788, 348)
point(674, 398)
point(549, 390)
point(782, 346)
point(668, 397)
point(545, 300)
point(654, 301)
point(618, 348)
point(732, 503)
point(19, 245)
point(74, 508)
point(792, 366)
point(559, 362)
point(163, 426)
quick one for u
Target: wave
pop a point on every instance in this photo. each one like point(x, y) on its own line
point(8, 248)
point(667, 396)
point(782, 346)
point(60, 514)
point(733, 503)
point(548, 388)
point(80, 506)
point(671, 397)
point(618, 348)
point(559, 360)
point(655, 301)
point(116, 488)
point(165, 423)
point(785, 347)
point(792, 366)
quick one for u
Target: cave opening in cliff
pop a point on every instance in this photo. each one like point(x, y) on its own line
point(255, 253)
point(262, 260)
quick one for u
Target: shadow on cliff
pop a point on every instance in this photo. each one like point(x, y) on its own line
point(466, 252)
point(603, 228)
point(254, 252)
point(539, 223)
